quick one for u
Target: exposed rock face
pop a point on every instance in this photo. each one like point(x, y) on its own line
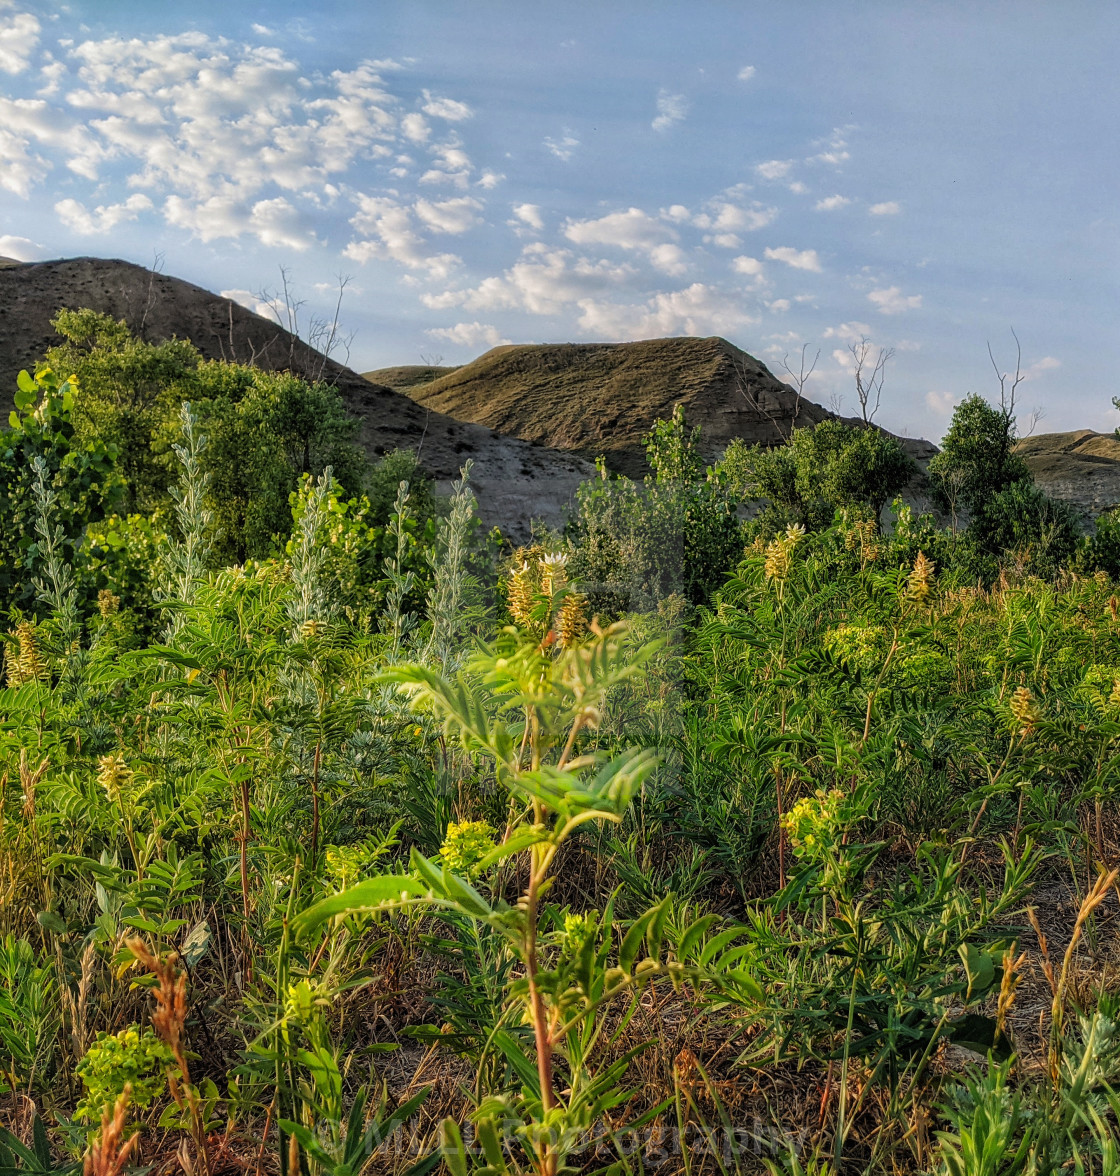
point(1082, 467)
point(515, 481)
point(602, 398)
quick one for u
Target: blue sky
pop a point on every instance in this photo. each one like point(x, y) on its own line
point(928, 176)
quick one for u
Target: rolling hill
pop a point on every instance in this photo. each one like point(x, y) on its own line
point(515, 481)
point(602, 398)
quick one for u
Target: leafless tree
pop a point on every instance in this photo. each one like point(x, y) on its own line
point(1009, 384)
point(311, 348)
point(432, 359)
point(765, 403)
point(870, 372)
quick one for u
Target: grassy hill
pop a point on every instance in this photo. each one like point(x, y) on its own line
point(515, 482)
point(1082, 467)
point(406, 377)
point(602, 398)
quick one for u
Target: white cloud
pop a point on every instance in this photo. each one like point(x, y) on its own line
point(677, 213)
point(274, 222)
point(446, 108)
point(835, 148)
point(415, 128)
point(530, 214)
point(563, 148)
point(489, 179)
point(19, 34)
point(750, 266)
point(386, 231)
point(449, 216)
point(671, 109)
point(1047, 363)
point(774, 169)
point(942, 403)
point(746, 73)
point(76, 216)
point(850, 332)
point(724, 216)
point(892, 301)
point(251, 301)
point(886, 208)
point(698, 309)
point(803, 259)
point(19, 248)
point(831, 203)
point(469, 335)
point(779, 305)
point(544, 281)
point(669, 259)
point(632, 229)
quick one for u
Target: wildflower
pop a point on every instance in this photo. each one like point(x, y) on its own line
point(310, 629)
point(571, 620)
point(107, 604)
point(918, 584)
point(1024, 711)
point(519, 590)
point(131, 1058)
point(779, 553)
point(29, 664)
point(553, 573)
point(578, 929)
point(114, 776)
point(465, 845)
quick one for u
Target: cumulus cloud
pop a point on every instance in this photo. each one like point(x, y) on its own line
point(564, 147)
point(886, 208)
point(850, 332)
point(774, 169)
point(386, 230)
point(750, 266)
point(19, 248)
point(726, 218)
point(834, 148)
point(632, 229)
point(449, 216)
point(104, 217)
point(415, 128)
point(698, 309)
point(446, 108)
point(1040, 367)
point(891, 300)
point(254, 302)
point(802, 259)
point(746, 73)
point(19, 34)
point(469, 335)
point(831, 203)
point(941, 402)
point(543, 281)
point(671, 109)
point(529, 214)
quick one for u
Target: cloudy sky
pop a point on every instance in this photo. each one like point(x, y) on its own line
point(926, 175)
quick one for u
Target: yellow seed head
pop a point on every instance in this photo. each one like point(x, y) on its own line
point(1024, 710)
point(107, 603)
point(571, 620)
point(919, 583)
point(29, 664)
point(114, 775)
point(520, 593)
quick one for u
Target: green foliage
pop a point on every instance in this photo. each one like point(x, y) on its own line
point(818, 471)
point(677, 532)
point(977, 458)
point(80, 473)
point(133, 1057)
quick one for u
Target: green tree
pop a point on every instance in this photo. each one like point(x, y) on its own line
point(977, 458)
point(817, 471)
point(82, 475)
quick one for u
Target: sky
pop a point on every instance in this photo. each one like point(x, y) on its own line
point(936, 178)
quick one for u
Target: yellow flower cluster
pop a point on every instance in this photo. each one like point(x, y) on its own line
point(862, 535)
point(1024, 710)
point(779, 553)
point(815, 823)
point(538, 575)
point(920, 582)
point(114, 776)
point(29, 665)
point(107, 603)
point(466, 844)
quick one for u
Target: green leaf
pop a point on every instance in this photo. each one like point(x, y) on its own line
point(49, 921)
point(451, 1148)
point(525, 1069)
point(26, 384)
point(371, 895)
point(196, 944)
point(980, 969)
